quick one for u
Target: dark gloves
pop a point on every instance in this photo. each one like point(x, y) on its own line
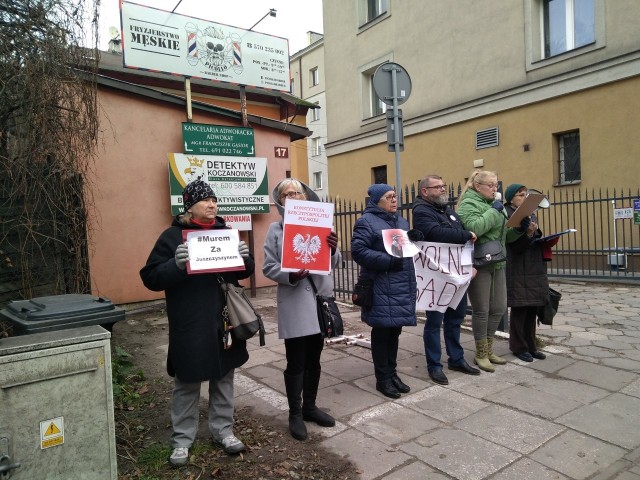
point(182, 256)
point(332, 240)
point(497, 205)
point(297, 276)
point(524, 225)
point(415, 235)
point(397, 264)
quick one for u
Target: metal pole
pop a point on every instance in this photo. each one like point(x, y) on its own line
point(187, 92)
point(396, 132)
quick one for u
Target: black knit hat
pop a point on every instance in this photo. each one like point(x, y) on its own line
point(196, 191)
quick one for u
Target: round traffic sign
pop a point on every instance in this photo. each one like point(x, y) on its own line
point(383, 83)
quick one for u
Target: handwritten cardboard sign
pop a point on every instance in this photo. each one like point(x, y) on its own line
point(443, 273)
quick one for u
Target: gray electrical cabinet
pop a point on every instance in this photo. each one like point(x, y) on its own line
point(56, 406)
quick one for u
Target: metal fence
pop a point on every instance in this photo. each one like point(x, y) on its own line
point(606, 244)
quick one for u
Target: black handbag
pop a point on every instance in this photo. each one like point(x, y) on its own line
point(329, 317)
point(241, 315)
point(490, 252)
point(546, 312)
point(362, 295)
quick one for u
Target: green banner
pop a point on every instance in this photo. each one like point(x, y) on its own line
point(220, 140)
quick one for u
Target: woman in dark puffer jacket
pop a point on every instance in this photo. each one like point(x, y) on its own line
point(394, 285)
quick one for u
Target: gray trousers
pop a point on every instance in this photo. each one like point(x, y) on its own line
point(488, 296)
point(185, 411)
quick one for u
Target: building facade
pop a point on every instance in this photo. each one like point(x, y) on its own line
point(308, 83)
point(543, 92)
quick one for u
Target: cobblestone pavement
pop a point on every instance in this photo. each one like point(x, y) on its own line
point(574, 415)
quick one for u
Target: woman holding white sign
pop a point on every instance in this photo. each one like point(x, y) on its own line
point(394, 285)
point(197, 351)
point(297, 315)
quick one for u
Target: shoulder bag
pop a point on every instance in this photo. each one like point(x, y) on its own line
point(329, 317)
point(242, 316)
point(546, 312)
point(490, 252)
point(362, 295)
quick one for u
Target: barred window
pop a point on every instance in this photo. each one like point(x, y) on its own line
point(569, 156)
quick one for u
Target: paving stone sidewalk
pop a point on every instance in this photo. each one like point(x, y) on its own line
point(574, 415)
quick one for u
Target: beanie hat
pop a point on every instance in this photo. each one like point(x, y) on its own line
point(511, 191)
point(377, 190)
point(196, 191)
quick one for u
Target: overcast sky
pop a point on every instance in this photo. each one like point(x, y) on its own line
point(293, 20)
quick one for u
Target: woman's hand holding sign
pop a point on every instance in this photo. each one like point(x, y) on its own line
point(332, 240)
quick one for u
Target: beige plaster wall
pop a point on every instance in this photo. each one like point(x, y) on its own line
point(131, 190)
point(606, 117)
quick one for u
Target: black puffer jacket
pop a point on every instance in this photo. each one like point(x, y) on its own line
point(527, 282)
point(438, 224)
point(194, 309)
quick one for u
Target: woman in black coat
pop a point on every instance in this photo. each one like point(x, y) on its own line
point(527, 282)
point(197, 350)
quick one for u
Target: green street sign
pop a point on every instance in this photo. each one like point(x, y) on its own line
point(221, 140)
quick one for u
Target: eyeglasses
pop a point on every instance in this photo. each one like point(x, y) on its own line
point(439, 187)
point(490, 185)
point(393, 196)
point(290, 194)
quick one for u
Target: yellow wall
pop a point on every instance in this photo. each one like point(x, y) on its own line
point(606, 117)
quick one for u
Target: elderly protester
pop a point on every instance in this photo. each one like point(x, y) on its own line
point(297, 315)
point(394, 285)
point(197, 350)
point(527, 282)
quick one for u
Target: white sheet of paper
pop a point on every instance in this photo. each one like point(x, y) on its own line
point(397, 243)
point(214, 251)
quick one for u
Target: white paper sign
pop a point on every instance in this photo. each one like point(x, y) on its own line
point(213, 251)
point(397, 243)
point(443, 273)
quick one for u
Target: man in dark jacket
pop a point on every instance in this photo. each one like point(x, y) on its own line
point(195, 302)
point(439, 223)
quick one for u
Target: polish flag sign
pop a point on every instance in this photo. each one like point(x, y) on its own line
point(305, 230)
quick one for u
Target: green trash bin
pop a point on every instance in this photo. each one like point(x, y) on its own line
point(58, 312)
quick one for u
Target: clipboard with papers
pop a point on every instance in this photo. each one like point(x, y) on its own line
point(554, 235)
point(529, 205)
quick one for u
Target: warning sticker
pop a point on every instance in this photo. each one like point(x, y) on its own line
point(51, 432)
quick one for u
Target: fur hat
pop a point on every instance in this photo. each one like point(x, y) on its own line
point(377, 190)
point(196, 191)
point(511, 191)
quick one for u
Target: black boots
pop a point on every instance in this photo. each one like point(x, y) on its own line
point(310, 412)
point(293, 383)
point(304, 385)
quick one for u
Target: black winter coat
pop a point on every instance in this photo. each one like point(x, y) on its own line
point(194, 309)
point(527, 282)
point(438, 224)
point(394, 287)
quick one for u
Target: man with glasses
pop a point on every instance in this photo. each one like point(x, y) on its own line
point(438, 222)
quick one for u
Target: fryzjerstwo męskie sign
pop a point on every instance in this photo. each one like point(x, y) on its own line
point(240, 183)
point(158, 40)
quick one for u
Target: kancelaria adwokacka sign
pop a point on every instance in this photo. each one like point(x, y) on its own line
point(154, 39)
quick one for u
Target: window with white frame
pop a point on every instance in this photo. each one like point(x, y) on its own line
point(314, 77)
point(568, 145)
point(567, 24)
point(317, 180)
point(372, 9)
point(315, 146)
point(373, 106)
point(315, 116)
